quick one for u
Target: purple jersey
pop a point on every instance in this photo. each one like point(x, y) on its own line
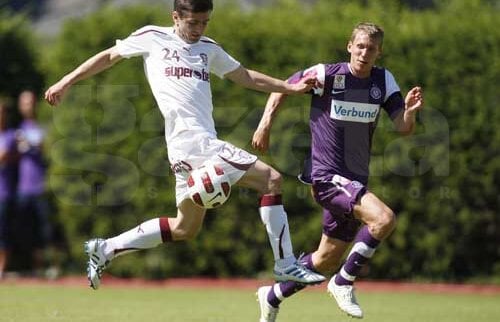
point(8, 169)
point(343, 118)
point(31, 164)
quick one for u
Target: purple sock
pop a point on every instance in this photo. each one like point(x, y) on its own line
point(307, 262)
point(284, 290)
point(363, 249)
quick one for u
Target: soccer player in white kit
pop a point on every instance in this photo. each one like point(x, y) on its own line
point(178, 61)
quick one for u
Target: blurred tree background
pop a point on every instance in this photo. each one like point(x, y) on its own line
point(109, 168)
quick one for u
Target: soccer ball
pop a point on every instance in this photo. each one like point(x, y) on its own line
point(208, 186)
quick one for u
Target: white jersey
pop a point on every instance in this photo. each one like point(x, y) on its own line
point(178, 74)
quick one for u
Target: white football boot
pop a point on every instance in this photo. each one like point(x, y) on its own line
point(298, 273)
point(94, 248)
point(346, 300)
point(268, 313)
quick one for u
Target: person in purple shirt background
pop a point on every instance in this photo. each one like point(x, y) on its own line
point(32, 203)
point(8, 179)
point(345, 108)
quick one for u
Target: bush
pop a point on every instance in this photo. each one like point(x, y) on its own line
point(109, 166)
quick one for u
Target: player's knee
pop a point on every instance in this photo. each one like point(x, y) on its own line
point(388, 220)
point(384, 224)
point(186, 233)
point(273, 181)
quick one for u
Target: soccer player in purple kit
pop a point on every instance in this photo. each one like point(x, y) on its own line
point(345, 108)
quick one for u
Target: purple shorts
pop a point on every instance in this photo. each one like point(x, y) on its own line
point(338, 197)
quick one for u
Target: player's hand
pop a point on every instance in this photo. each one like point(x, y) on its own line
point(260, 140)
point(54, 94)
point(306, 83)
point(414, 100)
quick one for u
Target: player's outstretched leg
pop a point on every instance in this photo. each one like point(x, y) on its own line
point(147, 235)
point(268, 313)
point(97, 262)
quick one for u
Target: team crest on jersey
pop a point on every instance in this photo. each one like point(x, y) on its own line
point(339, 82)
point(375, 92)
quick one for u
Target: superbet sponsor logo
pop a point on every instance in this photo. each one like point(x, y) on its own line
point(173, 71)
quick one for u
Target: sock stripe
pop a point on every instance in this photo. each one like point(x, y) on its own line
point(346, 275)
point(270, 200)
point(363, 249)
point(280, 242)
point(277, 292)
point(166, 234)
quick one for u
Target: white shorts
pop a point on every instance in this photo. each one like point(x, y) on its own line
point(234, 161)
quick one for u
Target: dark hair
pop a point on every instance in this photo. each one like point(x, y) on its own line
point(182, 6)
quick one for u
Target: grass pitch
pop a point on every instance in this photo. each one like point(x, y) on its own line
point(116, 304)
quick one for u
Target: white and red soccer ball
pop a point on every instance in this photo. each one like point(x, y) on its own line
point(208, 186)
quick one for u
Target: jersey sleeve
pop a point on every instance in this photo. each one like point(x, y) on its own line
point(316, 70)
point(137, 44)
point(393, 100)
point(222, 63)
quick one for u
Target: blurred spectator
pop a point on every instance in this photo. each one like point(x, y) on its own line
point(8, 178)
point(32, 204)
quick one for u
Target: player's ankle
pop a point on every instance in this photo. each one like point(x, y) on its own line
point(285, 262)
point(109, 249)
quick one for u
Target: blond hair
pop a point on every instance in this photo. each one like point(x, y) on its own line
point(372, 30)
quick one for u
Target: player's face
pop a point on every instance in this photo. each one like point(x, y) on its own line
point(27, 101)
point(364, 52)
point(191, 25)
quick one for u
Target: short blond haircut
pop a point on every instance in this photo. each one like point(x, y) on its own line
point(372, 30)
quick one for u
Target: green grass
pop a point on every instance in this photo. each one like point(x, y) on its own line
point(75, 304)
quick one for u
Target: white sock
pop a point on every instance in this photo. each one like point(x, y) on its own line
point(146, 235)
point(274, 217)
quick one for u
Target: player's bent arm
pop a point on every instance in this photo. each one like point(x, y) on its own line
point(273, 105)
point(90, 67)
point(414, 102)
point(261, 82)
point(407, 127)
point(261, 136)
